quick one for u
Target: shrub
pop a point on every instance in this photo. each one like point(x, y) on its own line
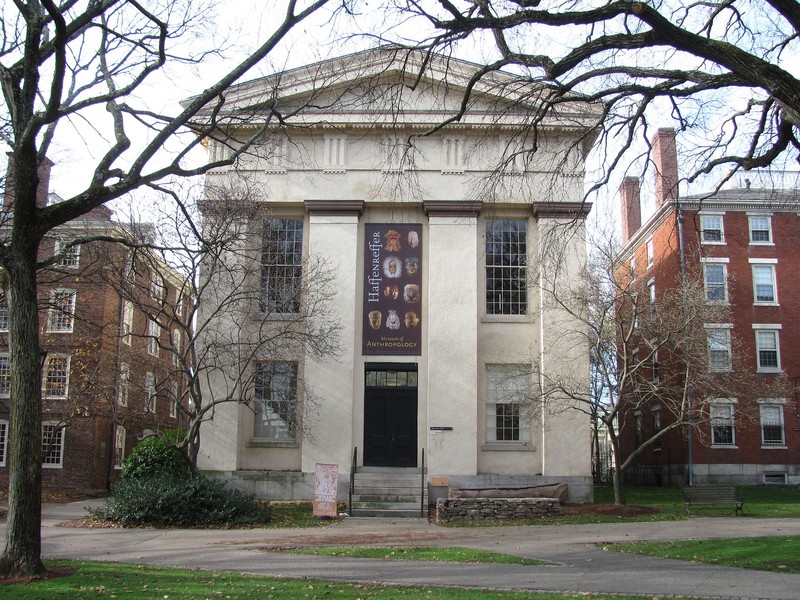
point(163, 500)
point(156, 455)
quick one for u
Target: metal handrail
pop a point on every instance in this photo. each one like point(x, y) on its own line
point(352, 488)
point(422, 486)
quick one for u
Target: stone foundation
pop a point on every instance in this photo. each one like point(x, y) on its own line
point(478, 509)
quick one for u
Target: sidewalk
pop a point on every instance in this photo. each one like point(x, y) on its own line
point(577, 563)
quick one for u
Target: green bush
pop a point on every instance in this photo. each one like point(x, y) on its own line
point(191, 502)
point(156, 455)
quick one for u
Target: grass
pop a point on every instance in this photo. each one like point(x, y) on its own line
point(293, 514)
point(779, 554)
point(138, 582)
point(451, 554)
point(759, 502)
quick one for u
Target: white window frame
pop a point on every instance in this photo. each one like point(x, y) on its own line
point(657, 426)
point(150, 399)
point(651, 254)
point(124, 384)
point(334, 158)
point(282, 268)
point(651, 290)
point(752, 220)
point(127, 322)
point(158, 286)
point(718, 339)
point(706, 226)
point(506, 291)
point(720, 263)
point(728, 420)
point(58, 431)
point(176, 347)
point(774, 331)
point(61, 315)
point(120, 436)
point(3, 441)
point(4, 315)
point(153, 337)
point(71, 258)
point(766, 404)
point(46, 375)
point(763, 265)
point(5, 375)
point(173, 404)
point(633, 267)
point(508, 385)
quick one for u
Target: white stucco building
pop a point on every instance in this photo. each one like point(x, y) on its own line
point(436, 239)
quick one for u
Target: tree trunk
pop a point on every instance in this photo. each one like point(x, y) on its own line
point(22, 555)
point(619, 489)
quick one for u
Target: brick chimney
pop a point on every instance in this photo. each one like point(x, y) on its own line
point(42, 190)
point(665, 157)
point(629, 195)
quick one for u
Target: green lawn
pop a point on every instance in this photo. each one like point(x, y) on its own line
point(780, 554)
point(461, 555)
point(137, 582)
point(759, 501)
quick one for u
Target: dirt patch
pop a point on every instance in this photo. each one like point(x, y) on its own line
point(51, 573)
point(614, 510)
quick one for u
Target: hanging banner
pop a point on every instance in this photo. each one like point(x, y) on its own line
point(326, 480)
point(393, 289)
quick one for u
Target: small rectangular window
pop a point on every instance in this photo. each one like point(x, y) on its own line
point(650, 253)
point(3, 311)
point(119, 446)
point(760, 230)
point(70, 254)
point(56, 377)
point(722, 425)
point(772, 425)
point(719, 349)
point(764, 284)
point(5, 375)
point(150, 392)
point(52, 445)
point(175, 400)
point(127, 322)
point(768, 350)
point(62, 311)
point(715, 280)
point(153, 337)
point(124, 384)
point(3, 442)
point(711, 231)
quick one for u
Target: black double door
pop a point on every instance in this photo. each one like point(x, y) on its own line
point(390, 427)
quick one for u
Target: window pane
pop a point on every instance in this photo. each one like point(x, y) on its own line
point(508, 389)
point(763, 282)
point(275, 401)
point(281, 265)
point(711, 226)
point(715, 283)
point(722, 425)
point(760, 229)
point(767, 342)
point(506, 262)
point(52, 444)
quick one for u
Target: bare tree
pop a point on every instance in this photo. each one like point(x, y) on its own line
point(208, 326)
point(84, 64)
point(645, 351)
point(725, 70)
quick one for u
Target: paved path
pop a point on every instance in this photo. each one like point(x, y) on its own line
point(578, 562)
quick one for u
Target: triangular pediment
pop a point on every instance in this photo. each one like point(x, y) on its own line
point(399, 87)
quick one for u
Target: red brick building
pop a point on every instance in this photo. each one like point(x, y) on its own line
point(109, 375)
point(742, 243)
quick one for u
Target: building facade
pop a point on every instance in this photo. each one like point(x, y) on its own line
point(108, 377)
point(740, 243)
point(435, 240)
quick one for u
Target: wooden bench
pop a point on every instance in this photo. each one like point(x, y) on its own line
point(712, 494)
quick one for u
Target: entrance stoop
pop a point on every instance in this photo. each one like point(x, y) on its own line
point(389, 492)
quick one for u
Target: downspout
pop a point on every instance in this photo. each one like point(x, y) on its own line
point(682, 258)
